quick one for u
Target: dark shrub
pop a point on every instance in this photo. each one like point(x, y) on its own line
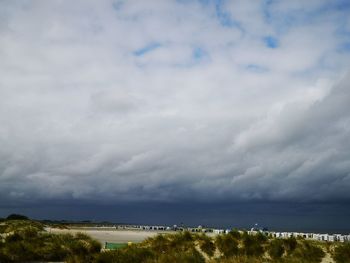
point(207, 245)
point(308, 252)
point(189, 256)
point(227, 245)
point(16, 217)
point(276, 249)
point(252, 246)
point(181, 241)
point(127, 255)
point(342, 253)
point(160, 244)
point(290, 244)
point(235, 233)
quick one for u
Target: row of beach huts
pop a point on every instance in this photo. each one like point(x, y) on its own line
point(254, 230)
point(313, 236)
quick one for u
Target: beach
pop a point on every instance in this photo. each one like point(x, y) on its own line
point(110, 234)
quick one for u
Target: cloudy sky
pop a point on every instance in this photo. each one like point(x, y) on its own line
point(114, 102)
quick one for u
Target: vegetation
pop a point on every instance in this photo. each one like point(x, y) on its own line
point(227, 245)
point(17, 217)
point(27, 241)
point(206, 245)
point(342, 253)
point(309, 252)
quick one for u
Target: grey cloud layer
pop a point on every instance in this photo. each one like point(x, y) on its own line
point(82, 117)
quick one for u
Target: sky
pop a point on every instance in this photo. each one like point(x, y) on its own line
point(212, 106)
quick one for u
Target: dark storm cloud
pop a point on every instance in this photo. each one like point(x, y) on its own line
point(83, 118)
point(300, 154)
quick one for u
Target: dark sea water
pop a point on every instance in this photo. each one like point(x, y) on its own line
point(303, 217)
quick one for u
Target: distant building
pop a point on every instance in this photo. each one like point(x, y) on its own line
point(218, 231)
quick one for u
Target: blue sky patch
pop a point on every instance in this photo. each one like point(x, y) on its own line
point(199, 53)
point(224, 17)
point(148, 48)
point(117, 5)
point(254, 68)
point(266, 10)
point(345, 47)
point(340, 5)
point(271, 42)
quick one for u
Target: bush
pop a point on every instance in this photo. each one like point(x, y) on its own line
point(290, 244)
point(131, 254)
point(235, 233)
point(252, 245)
point(179, 247)
point(207, 245)
point(342, 253)
point(26, 242)
point(308, 252)
point(16, 217)
point(21, 225)
point(181, 241)
point(276, 249)
point(189, 256)
point(238, 259)
point(227, 245)
point(159, 243)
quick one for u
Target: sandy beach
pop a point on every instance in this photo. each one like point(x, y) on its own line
point(110, 235)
